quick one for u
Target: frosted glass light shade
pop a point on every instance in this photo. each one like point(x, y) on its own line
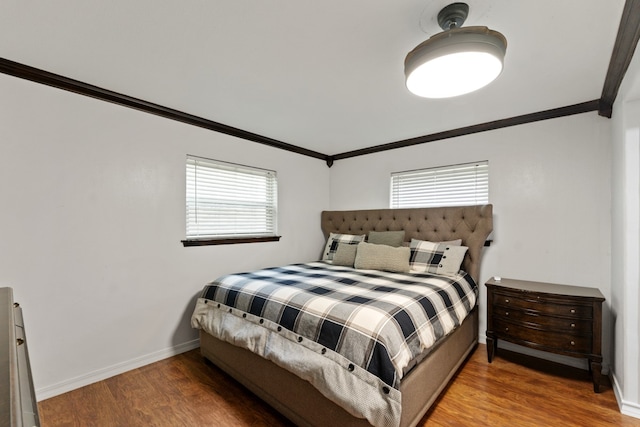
point(455, 62)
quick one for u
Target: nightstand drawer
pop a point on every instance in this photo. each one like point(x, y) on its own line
point(572, 326)
point(543, 306)
point(552, 340)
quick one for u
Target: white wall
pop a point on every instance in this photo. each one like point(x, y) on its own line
point(625, 277)
point(91, 218)
point(549, 184)
point(92, 214)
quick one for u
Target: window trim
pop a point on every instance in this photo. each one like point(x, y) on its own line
point(231, 239)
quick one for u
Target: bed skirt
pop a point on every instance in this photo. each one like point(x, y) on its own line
point(299, 401)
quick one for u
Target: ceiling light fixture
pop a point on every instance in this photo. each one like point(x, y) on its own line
point(457, 60)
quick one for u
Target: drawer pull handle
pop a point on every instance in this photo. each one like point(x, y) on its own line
point(507, 301)
point(506, 329)
point(506, 313)
point(573, 325)
point(573, 310)
point(573, 343)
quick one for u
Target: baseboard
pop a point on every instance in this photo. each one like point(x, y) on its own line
point(108, 372)
point(626, 408)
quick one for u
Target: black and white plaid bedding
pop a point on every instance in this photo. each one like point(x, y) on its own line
point(378, 321)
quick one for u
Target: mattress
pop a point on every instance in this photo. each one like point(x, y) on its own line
point(352, 334)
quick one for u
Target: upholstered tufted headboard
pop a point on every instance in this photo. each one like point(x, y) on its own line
point(472, 224)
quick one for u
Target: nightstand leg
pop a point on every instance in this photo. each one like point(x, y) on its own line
point(596, 372)
point(491, 348)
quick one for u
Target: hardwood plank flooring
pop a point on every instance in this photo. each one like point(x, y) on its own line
point(514, 390)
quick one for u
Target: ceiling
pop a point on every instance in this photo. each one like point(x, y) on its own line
point(326, 76)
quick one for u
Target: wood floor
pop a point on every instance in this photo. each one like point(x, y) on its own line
point(186, 391)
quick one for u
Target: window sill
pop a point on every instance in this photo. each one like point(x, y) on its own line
point(229, 241)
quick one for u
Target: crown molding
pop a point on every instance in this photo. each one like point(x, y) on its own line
point(61, 82)
point(583, 107)
point(623, 49)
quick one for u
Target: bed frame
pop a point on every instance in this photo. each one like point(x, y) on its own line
point(297, 399)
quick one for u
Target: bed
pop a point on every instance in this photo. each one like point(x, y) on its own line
point(277, 364)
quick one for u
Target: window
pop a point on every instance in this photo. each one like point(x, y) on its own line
point(456, 185)
point(229, 203)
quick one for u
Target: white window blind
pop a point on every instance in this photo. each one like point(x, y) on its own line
point(457, 185)
point(226, 200)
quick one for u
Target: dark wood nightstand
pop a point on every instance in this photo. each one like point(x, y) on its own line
point(560, 319)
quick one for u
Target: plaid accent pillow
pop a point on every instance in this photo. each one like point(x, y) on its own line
point(436, 258)
point(332, 243)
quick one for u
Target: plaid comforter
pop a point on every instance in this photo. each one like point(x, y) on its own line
point(374, 323)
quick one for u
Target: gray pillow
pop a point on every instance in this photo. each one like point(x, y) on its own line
point(345, 254)
point(382, 257)
point(457, 242)
point(390, 238)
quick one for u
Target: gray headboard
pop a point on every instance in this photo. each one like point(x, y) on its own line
point(472, 224)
